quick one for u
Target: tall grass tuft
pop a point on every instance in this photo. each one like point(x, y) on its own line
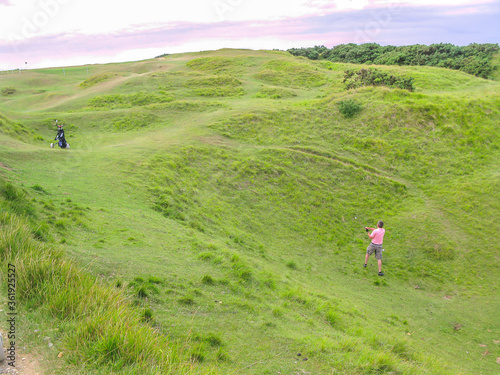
point(106, 331)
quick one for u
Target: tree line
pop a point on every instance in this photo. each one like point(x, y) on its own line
point(473, 59)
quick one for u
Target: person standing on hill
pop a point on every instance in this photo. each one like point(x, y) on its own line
point(377, 237)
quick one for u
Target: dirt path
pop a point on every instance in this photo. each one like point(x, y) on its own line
point(2, 165)
point(25, 364)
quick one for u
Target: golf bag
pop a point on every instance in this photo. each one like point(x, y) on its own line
point(60, 138)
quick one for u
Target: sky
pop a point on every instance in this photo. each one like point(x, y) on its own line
point(50, 33)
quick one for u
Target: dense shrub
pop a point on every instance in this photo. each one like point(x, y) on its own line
point(374, 77)
point(473, 59)
point(349, 108)
point(8, 91)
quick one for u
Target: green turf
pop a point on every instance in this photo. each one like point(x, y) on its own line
point(224, 194)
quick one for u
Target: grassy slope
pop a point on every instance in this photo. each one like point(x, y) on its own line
point(247, 202)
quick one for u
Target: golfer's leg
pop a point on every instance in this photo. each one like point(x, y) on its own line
point(379, 261)
point(366, 258)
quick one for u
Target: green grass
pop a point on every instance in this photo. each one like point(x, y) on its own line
point(275, 93)
point(94, 80)
point(94, 320)
point(209, 217)
point(288, 73)
point(216, 86)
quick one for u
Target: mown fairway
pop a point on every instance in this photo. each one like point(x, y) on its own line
point(226, 195)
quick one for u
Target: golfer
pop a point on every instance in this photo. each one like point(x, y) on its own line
point(377, 237)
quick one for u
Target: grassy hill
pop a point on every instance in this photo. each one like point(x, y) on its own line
point(209, 217)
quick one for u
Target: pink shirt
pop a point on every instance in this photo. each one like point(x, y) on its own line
point(378, 236)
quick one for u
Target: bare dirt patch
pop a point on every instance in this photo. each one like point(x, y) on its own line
point(25, 364)
point(2, 165)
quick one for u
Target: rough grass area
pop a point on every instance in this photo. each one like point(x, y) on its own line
point(222, 65)
point(141, 98)
point(6, 91)
point(291, 74)
point(216, 86)
point(17, 130)
point(133, 121)
point(216, 184)
point(96, 324)
point(275, 93)
point(94, 80)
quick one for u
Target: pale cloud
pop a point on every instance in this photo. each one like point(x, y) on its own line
point(29, 18)
point(73, 31)
point(446, 2)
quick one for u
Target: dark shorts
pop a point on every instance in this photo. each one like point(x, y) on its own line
point(377, 249)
